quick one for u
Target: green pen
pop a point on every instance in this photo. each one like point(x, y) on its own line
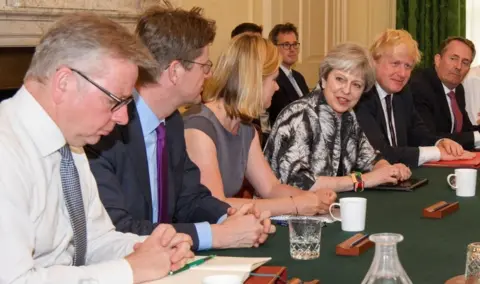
point(191, 264)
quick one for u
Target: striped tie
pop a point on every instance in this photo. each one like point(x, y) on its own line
point(72, 194)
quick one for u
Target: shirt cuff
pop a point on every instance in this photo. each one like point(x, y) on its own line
point(115, 271)
point(204, 232)
point(476, 138)
point(221, 219)
point(428, 154)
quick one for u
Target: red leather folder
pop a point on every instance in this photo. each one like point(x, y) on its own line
point(472, 163)
point(278, 271)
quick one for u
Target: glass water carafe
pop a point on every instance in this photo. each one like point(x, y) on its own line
point(386, 267)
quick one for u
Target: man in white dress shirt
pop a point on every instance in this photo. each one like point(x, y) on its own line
point(71, 96)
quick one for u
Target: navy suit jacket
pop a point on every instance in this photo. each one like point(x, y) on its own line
point(119, 164)
point(431, 103)
point(409, 127)
point(286, 93)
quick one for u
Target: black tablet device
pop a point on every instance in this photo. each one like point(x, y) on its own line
point(407, 185)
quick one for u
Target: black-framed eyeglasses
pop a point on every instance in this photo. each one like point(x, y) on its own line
point(206, 67)
point(287, 45)
point(118, 102)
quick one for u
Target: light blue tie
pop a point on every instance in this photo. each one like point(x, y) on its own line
point(72, 194)
point(295, 84)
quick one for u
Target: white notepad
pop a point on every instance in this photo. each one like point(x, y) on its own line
point(241, 266)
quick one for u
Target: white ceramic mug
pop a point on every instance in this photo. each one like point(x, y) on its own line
point(465, 182)
point(222, 279)
point(352, 213)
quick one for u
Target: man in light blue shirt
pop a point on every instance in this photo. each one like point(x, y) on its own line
point(142, 169)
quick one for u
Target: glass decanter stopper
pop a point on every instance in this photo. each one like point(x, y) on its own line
point(386, 267)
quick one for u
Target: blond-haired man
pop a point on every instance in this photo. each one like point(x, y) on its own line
point(387, 113)
point(54, 228)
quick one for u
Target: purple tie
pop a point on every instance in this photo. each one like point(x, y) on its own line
point(162, 174)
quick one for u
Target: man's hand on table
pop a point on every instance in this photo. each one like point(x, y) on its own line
point(163, 251)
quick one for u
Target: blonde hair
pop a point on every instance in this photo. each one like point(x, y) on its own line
point(81, 39)
point(390, 38)
point(349, 57)
point(239, 74)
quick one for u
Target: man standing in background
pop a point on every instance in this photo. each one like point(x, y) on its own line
point(291, 83)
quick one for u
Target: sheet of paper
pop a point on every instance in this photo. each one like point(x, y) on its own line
point(196, 276)
point(219, 265)
point(226, 263)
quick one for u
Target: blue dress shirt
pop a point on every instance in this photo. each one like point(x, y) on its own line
point(149, 122)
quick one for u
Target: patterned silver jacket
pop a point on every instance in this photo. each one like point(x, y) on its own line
point(309, 139)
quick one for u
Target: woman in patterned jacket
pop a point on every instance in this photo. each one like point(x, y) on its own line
point(317, 142)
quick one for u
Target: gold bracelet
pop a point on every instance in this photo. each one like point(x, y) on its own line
point(296, 209)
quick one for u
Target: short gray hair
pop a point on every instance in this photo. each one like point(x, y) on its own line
point(82, 39)
point(349, 57)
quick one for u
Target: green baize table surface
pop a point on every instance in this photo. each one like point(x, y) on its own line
point(433, 250)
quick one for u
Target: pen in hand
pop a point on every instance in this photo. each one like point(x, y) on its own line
point(359, 240)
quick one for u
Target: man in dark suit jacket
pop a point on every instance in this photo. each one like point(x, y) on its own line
point(127, 163)
point(119, 164)
point(387, 113)
point(439, 94)
point(285, 37)
point(410, 130)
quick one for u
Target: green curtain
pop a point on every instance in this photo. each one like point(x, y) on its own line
point(430, 22)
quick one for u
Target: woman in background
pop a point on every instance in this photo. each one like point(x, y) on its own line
point(225, 146)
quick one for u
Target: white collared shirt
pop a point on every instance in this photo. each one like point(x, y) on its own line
point(36, 237)
point(426, 154)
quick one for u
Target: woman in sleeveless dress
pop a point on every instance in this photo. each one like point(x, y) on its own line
point(222, 142)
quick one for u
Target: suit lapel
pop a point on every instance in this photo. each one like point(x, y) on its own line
point(399, 116)
point(290, 91)
point(440, 96)
point(380, 112)
point(135, 143)
point(300, 81)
